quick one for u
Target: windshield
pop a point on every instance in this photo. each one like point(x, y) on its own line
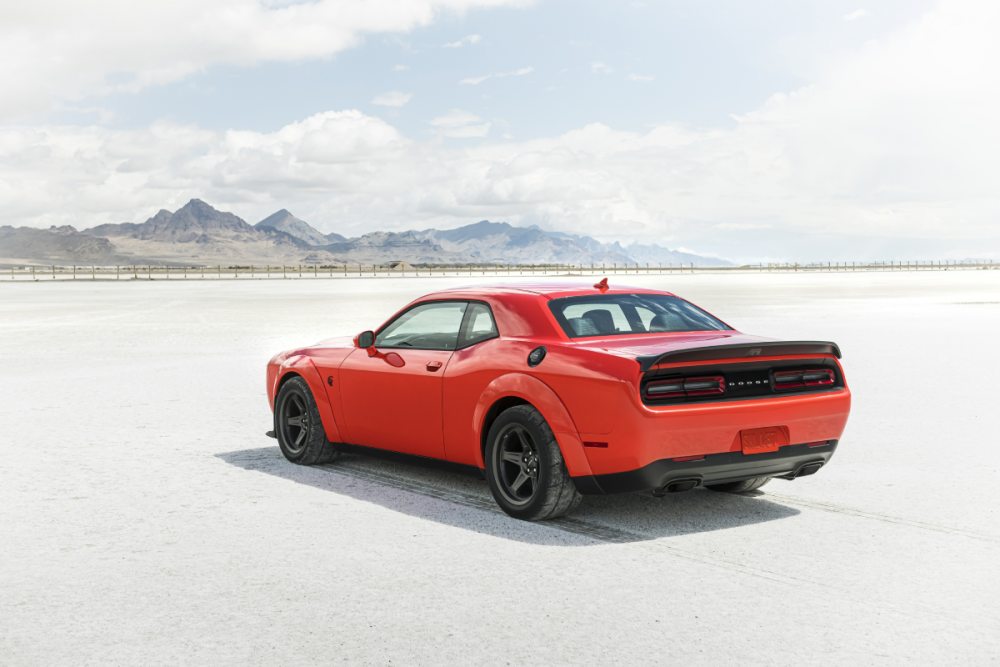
point(621, 314)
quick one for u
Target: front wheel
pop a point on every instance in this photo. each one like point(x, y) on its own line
point(525, 469)
point(298, 426)
point(744, 486)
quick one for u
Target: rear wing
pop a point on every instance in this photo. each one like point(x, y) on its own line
point(739, 350)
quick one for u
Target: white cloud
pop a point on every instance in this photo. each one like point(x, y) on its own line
point(899, 140)
point(392, 99)
point(853, 16)
point(640, 78)
point(476, 80)
point(460, 124)
point(739, 226)
point(597, 67)
point(53, 50)
point(468, 39)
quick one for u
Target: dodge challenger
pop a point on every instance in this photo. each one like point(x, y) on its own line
point(556, 391)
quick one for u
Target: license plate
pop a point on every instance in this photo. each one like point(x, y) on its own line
point(760, 440)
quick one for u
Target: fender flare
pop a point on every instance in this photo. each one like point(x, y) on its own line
point(304, 367)
point(546, 401)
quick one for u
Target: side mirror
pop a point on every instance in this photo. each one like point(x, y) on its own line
point(365, 339)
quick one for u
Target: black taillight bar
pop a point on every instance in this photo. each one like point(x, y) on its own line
point(682, 387)
point(818, 377)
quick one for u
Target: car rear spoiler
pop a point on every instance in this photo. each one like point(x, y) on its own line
point(739, 350)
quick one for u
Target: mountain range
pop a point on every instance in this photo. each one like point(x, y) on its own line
point(199, 234)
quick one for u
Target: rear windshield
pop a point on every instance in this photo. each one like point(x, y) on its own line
point(620, 314)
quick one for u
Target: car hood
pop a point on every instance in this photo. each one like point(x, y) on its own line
point(339, 341)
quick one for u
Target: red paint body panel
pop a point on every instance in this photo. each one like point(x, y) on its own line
point(304, 367)
point(413, 424)
point(586, 389)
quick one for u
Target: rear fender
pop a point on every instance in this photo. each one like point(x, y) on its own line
point(305, 368)
point(541, 396)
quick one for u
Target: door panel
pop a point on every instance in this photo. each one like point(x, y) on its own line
point(395, 407)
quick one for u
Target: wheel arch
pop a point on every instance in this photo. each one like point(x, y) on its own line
point(303, 367)
point(514, 389)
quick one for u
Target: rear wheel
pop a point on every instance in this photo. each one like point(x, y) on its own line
point(525, 469)
point(298, 426)
point(744, 486)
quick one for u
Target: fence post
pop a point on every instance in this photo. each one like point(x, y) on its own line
point(74, 272)
point(53, 272)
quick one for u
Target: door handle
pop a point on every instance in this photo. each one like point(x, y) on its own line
point(433, 366)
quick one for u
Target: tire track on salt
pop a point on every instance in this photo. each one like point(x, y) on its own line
point(623, 536)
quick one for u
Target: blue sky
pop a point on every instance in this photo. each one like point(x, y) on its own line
point(692, 62)
point(777, 130)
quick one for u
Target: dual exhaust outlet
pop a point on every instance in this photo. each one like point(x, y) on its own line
point(681, 485)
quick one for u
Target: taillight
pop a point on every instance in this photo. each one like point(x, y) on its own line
point(680, 387)
point(671, 389)
point(808, 378)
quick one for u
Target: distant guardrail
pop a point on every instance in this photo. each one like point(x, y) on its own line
point(272, 271)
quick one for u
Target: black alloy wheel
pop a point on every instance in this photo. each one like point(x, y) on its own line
point(525, 469)
point(299, 427)
point(516, 464)
point(294, 422)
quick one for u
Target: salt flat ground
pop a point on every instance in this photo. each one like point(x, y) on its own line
point(145, 518)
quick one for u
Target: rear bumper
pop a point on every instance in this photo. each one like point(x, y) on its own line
point(713, 469)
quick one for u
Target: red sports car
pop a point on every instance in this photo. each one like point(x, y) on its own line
point(554, 391)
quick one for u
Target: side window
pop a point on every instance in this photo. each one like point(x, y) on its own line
point(479, 325)
point(429, 326)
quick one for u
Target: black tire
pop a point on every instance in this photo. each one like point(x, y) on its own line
point(298, 426)
point(745, 486)
point(525, 469)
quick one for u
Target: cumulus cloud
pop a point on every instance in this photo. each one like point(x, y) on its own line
point(899, 140)
point(476, 80)
point(52, 50)
point(392, 99)
point(460, 124)
point(468, 39)
point(854, 16)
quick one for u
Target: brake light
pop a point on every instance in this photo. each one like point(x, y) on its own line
point(808, 378)
point(681, 387)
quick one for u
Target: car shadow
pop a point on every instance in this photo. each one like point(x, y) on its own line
point(464, 501)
